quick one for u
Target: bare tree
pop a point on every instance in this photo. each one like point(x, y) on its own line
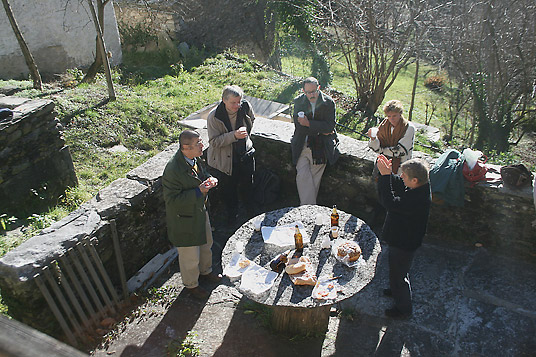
point(32, 67)
point(490, 46)
point(377, 39)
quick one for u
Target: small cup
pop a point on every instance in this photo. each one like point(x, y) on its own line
point(301, 114)
point(334, 232)
point(318, 219)
point(239, 246)
point(326, 243)
point(257, 224)
point(373, 132)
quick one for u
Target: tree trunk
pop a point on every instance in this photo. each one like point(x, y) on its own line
point(414, 89)
point(99, 54)
point(101, 45)
point(32, 67)
point(300, 320)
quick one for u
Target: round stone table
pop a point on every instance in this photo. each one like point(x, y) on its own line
point(293, 309)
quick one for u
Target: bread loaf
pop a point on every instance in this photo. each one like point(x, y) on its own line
point(349, 250)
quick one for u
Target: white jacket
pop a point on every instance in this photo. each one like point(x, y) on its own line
point(403, 150)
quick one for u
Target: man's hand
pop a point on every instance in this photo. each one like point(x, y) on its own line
point(206, 185)
point(384, 165)
point(303, 121)
point(241, 133)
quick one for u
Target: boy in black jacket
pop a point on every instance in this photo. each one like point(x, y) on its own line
point(407, 201)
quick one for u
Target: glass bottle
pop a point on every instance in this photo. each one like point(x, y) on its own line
point(298, 239)
point(278, 264)
point(334, 217)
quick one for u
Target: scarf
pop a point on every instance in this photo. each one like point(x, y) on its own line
point(316, 144)
point(388, 139)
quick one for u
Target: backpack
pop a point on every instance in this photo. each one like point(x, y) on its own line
point(516, 176)
point(266, 186)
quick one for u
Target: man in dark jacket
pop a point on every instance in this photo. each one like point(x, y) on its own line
point(186, 184)
point(314, 143)
point(407, 200)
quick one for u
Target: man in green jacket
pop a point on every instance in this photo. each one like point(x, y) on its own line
point(186, 184)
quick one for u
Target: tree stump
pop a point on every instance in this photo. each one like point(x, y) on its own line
point(300, 320)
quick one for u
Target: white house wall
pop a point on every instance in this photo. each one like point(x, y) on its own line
point(59, 34)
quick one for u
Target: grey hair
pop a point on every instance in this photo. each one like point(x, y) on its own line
point(233, 90)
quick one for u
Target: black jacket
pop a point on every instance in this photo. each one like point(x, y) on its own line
point(322, 122)
point(407, 212)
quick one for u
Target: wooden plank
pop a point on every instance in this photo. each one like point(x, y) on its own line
point(55, 309)
point(20, 340)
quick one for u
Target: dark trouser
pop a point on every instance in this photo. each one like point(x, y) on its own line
point(399, 265)
point(242, 178)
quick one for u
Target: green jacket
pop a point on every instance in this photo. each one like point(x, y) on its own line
point(185, 205)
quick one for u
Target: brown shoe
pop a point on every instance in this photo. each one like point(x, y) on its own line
point(199, 293)
point(211, 277)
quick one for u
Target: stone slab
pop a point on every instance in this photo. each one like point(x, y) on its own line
point(152, 270)
point(151, 170)
point(118, 196)
point(30, 257)
point(12, 102)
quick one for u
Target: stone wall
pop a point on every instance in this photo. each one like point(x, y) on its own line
point(495, 216)
point(244, 26)
point(35, 164)
point(498, 218)
point(59, 33)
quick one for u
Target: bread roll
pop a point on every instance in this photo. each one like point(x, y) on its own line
point(295, 268)
point(305, 280)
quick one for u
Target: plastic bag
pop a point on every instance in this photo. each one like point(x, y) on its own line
point(471, 157)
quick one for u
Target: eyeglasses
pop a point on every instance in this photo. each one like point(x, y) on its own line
point(311, 92)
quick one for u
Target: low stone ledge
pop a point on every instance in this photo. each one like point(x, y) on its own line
point(119, 196)
point(35, 164)
point(152, 170)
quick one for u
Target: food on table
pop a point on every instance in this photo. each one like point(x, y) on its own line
point(323, 290)
point(305, 278)
point(244, 263)
point(349, 250)
point(300, 271)
point(297, 265)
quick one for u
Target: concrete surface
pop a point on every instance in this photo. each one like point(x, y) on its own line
point(467, 302)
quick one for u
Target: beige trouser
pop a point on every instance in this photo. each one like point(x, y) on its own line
point(308, 177)
point(196, 260)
